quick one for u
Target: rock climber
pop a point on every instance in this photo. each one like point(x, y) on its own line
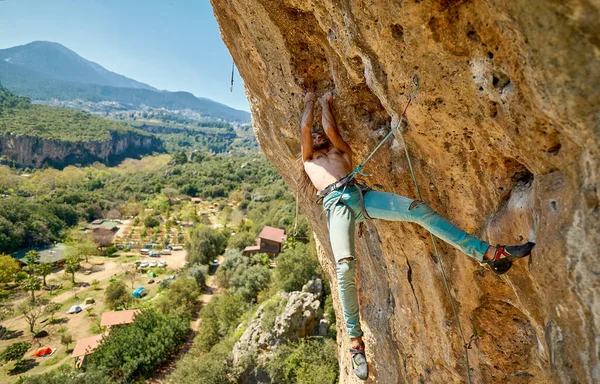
point(328, 162)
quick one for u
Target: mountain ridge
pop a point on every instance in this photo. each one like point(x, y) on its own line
point(40, 82)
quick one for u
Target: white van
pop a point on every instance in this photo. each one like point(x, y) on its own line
point(144, 251)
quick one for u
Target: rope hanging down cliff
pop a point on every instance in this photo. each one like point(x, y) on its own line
point(358, 171)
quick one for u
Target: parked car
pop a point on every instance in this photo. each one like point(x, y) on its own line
point(144, 264)
point(162, 264)
point(144, 251)
point(177, 248)
point(153, 264)
point(165, 252)
point(139, 292)
point(154, 254)
point(215, 263)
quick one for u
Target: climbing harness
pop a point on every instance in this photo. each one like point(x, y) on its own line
point(358, 171)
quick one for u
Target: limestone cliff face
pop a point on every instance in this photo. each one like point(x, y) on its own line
point(504, 139)
point(30, 151)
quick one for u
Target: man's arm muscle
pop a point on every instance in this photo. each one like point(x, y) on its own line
point(307, 122)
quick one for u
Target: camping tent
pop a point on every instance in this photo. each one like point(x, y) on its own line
point(74, 309)
point(89, 300)
point(139, 292)
point(43, 352)
point(152, 274)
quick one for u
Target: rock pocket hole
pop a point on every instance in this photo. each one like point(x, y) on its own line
point(397, 32)
point(501, 81)
point(553, 205)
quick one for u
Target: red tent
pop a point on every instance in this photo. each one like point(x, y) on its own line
point(43, 352)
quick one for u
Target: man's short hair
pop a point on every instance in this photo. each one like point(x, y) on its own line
point(317, 129)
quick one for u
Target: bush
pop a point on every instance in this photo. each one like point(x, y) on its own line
point(14, 351)
point(180, 299)
point(250, 281)
point(241, 240)
point(132, 352)
point(220, 316)
point(205, 245)
point(307, 361)
point(296, 266)
point(198, 273)
point(116, 294)
point(151, 222)
point(111, 250)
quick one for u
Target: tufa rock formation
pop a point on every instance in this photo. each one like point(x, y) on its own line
point(504, 138)
point(285, 317)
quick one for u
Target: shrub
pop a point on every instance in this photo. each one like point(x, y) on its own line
point(205, 245)
point(116, 295)
point(250, 281)
point(198, 273)
point(180, 299)
point(151, 222)
point(14, 351)
point(241, 240)
point(220, 316)
point(307, 361)
point(111, 250)
point(296, 266)
point(132, 352)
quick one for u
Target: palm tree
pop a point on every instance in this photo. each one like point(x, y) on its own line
point(44, 269)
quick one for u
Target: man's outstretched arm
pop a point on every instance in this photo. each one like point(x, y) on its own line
point(328, 121)
point(307, 122)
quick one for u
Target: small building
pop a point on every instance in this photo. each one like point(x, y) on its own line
point(269, 241)
point(103, 224)
point(84, 347)
point(112, 318)
point(54, 255)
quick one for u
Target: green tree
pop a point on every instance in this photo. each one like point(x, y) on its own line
point(220, 316)
point(15, 351)
point(44, 269)
point(180, 158)
point(31, 259)
point(132, 352)
point(31, 284)
point(151, 222)
point(8, 268)
point(250, 281)
point(241, 240)
point(307, 361)
point(296, 266)
point(181, 298)
point(116, 295)
point(66, 340)
point(205, 245)
point(198, 273)
point(72, 265)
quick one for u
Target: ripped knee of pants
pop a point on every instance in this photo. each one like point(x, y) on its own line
point(415, 204)
point(345, 271)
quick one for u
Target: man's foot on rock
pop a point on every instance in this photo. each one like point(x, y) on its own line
point(326, 98)
point(505, 255)
point(359, 362)
point(310, 96)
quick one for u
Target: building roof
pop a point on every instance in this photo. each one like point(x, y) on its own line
point(50, 255)
point(86, 345)
point(118, 317)
point(104, 224)
point(273, 234)
point(252, 248)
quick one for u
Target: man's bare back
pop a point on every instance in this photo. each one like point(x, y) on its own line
point(325, 162)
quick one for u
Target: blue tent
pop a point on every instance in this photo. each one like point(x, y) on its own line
point(139, 293)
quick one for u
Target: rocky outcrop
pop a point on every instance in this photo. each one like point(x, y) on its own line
point(283, 318)
point(32, 151)
point(505, 142)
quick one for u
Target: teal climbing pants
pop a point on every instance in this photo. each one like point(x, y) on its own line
point(344, 210)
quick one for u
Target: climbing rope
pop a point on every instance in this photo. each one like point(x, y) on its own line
point(358, 171)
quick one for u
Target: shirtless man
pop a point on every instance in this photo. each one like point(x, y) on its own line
point(327, 161)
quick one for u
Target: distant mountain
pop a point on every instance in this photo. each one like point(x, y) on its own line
point(36, 70)
point(58, 62)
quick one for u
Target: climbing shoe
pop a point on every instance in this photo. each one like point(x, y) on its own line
point(505, 255)
point(359, 362)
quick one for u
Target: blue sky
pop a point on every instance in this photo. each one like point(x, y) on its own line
point(174, 45)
